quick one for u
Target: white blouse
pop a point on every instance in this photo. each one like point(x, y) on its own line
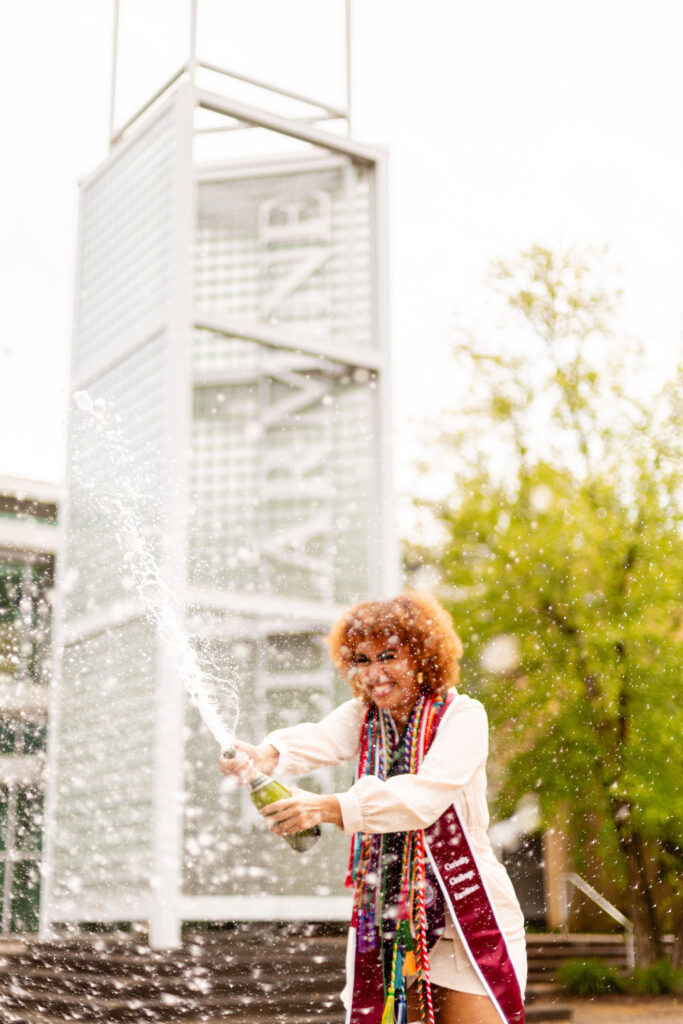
point(452, 771)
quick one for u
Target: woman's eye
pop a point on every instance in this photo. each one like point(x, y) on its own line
point(387, 656)
point(360, 659)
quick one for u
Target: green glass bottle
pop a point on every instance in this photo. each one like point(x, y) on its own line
point(265, 790)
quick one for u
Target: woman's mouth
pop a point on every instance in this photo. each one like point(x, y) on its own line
point(382, 689)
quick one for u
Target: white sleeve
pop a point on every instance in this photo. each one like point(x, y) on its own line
point(334, 740)
point(406, 802)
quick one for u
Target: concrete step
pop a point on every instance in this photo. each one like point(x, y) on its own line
point(239, 964)
point(191, 983)
point(277, 1017)
point(30, 1003)
point(246, 974)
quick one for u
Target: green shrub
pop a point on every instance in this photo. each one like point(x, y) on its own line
point(590, 978)
point(659, 979)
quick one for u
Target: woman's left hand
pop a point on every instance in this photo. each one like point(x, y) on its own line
point(301, 811)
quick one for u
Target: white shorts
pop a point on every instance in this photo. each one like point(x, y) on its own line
point(449, 965)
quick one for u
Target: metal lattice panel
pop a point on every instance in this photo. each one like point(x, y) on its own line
point(126, 238)
point(355, 488)
point(115, 476)
point(224, 487)
point(104, 806)
point(281, 479)
point(290, 249)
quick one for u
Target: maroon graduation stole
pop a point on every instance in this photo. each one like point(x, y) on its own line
point(397, 875)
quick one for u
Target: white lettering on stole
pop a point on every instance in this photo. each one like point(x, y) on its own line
point(465, 892)
point(456, 863)
point(460, 878)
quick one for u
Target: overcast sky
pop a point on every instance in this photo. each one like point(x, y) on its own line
point(509, 122)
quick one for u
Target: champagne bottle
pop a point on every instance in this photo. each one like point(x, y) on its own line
point(265, 790)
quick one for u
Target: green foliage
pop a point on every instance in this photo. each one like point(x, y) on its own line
point(590, 978)
point(659, 979)
point(595, 977)
point(562, 562)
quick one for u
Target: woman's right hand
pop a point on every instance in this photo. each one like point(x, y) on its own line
point(248, 761)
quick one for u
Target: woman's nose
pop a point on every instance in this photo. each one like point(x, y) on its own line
point(374, 672)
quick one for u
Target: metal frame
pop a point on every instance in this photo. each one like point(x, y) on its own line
point(167, 837)
point(388, 580)
point(166, 905)
point(335, 112)
point(344, 355)
point(193, 65)
point(571, 878)
point(160, 905)
point(266, 908)
point(45, 930)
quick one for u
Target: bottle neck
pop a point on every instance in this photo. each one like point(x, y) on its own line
point(258, 781)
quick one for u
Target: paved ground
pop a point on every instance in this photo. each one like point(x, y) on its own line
point(620, 1010)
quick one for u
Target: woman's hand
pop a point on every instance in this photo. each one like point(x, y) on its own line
point(301, 811)
point(248, 761)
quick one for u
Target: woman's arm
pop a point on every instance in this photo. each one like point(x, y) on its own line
point(301, 748)
point(332, 741)
point(403, 802)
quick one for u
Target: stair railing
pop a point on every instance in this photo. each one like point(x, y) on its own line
point(572, 879)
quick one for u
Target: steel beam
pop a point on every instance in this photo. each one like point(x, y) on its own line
point(286, 126)
point(347, 355)
point(336, 112)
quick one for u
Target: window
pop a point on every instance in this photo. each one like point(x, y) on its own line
point(34, 738)
point(8, 735)
point(28, 824)
point(25, 896)
point(21, 836)
point(21, 737)
point(4, 815)
point(25, 620)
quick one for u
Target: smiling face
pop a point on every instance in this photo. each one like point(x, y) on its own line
point(383, 670)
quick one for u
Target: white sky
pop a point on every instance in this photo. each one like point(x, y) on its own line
point(509, 122)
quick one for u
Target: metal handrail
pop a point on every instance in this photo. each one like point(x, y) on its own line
point(571, 878)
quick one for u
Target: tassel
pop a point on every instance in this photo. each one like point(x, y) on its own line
point(388, 1015)
point(409, 965)
point(401, 1014)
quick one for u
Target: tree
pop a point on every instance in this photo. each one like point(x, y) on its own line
point(562, 563)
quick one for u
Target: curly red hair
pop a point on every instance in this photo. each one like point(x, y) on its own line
point(417, 621)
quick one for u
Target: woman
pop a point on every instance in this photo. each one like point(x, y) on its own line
point(437, 934)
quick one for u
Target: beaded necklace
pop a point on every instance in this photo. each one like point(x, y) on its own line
point(380, 746)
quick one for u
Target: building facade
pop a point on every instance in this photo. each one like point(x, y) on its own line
point(28, 534)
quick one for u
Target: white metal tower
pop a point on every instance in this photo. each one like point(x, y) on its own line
point(233, 316)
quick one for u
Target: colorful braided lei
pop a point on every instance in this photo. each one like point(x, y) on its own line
point(409, 950)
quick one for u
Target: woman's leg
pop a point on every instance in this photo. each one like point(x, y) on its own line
point(452, 1007)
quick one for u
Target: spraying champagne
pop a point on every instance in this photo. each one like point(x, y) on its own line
point(214, 697)
point(209, 695)
point(265, 790)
